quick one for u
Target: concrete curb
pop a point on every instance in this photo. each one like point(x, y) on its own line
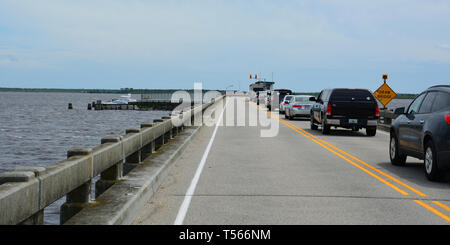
point(121, 203)
point(384, 127)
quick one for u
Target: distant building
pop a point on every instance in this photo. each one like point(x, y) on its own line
point(261, 86)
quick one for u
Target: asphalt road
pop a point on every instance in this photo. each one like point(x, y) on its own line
point(296, 177)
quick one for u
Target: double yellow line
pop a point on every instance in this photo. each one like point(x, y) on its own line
point(366, 168)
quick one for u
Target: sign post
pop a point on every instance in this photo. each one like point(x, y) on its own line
point(384, 93)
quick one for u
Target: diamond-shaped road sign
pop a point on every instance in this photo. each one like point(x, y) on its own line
point(385, 94)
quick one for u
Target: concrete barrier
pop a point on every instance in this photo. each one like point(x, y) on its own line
point(385, 121)
point(25, 193)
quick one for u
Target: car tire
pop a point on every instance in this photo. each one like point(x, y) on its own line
point(371, 131)
point(397, 158)
point(430, 162)
point(313, 125)
point(325, 127)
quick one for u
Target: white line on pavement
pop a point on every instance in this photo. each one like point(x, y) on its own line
point(190, 192)
point(383, 132)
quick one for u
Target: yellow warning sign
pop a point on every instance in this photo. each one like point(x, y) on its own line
point(385, 94)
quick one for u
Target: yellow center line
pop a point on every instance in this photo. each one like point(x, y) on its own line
point(324, 145)
point(358, 160)
point(443, 216)
point(309, 136)
point(443, 206)
point(367, 165)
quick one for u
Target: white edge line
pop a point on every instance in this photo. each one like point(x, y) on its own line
point(190, 192)
point(384, 132)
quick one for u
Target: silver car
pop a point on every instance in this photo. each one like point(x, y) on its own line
point(285, 102)
point(299, 106)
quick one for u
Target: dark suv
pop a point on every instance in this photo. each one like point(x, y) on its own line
point(423, 131)
point(347, 108)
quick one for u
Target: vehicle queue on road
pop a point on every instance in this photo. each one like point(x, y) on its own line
point(422, 130)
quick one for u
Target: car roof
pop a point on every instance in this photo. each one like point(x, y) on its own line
point(350, 89)
point(445, 88)
point(283, 90)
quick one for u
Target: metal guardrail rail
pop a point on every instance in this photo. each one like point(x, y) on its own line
point(25, 192)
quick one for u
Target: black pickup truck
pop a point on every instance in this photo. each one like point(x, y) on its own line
point(346, 108)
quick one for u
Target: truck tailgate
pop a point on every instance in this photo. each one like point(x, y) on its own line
point(353, 109)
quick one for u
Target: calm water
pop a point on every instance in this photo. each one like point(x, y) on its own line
point(399, 103)
point(37, 129)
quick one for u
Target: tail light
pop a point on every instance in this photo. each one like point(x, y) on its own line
point(447, 118)
point(377, 111)
point(329, 110)
point(297, 106)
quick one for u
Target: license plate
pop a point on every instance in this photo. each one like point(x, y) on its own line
point(353, 121)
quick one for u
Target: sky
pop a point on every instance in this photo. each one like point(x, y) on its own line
point(305, 45)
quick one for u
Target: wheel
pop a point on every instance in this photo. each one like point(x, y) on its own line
point(371, 131)
point(269, 107)
point(313, 125)
point(287, 115)
point(430, 162)
point(397, 158)
point(325, 127)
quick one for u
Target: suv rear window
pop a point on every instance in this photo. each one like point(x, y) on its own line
point(351, 95)
point(301, 99)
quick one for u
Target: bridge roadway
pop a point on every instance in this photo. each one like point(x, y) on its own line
point(298, 177)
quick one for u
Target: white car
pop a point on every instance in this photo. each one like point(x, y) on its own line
point(285, 102)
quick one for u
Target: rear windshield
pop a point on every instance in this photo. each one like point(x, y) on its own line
point(351, 95)
point(301, 99)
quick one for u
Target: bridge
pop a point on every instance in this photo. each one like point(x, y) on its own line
point(245, 165)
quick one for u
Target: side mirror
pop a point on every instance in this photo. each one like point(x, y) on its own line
point(312, 99)
point(399, 111)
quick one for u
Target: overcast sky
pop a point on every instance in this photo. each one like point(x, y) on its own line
point(308, 45)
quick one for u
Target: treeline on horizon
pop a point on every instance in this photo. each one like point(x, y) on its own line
point(142, 91)
point(96, 91)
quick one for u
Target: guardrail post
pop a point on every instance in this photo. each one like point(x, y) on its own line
point(192, 116)
point(134, 159)
point(160, 140)
point(168, 135)
point(78, 198)
point(149, 148)
point(37, 218)
point(110, 175)
point(21, 175)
